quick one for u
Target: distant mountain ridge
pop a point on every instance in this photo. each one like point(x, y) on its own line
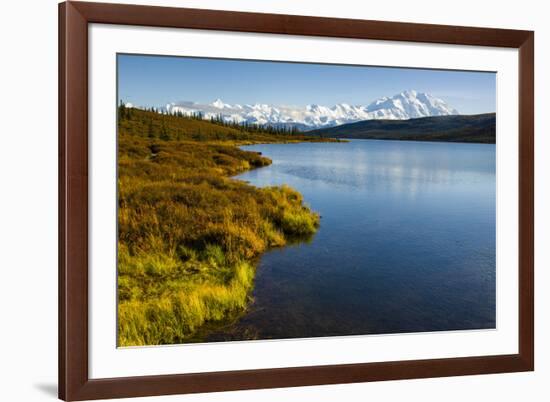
point(480, 128)
point(405, 105)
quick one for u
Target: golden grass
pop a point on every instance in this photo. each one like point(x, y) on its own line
point(188, 233)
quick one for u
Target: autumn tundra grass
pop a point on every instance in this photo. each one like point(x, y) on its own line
point(188, 233)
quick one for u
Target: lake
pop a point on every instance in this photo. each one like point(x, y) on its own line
point(406, 241)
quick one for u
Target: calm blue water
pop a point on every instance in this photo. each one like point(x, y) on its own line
point(406, 242)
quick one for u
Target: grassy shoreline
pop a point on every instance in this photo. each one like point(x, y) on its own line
point(189, 233)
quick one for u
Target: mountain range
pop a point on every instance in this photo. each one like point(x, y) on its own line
point(403, 106)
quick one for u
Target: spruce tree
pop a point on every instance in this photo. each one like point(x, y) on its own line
point(164, 133)
point(150, 132)
point(121, 110)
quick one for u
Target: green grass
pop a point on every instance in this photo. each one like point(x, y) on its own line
point(188, 233)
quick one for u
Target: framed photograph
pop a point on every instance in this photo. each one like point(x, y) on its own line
point(261, 200)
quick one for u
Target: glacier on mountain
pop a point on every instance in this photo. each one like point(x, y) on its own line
point(403, 106)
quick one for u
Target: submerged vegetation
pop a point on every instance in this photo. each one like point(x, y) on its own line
point(188, 233)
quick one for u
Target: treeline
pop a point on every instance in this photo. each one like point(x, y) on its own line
point(129, 113)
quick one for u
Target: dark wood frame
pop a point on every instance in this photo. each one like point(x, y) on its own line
point(74, 17)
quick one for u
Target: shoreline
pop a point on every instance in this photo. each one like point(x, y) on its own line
point(190, 234)
point(211, 328)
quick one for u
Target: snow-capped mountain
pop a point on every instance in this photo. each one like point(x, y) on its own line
point(409, 105)
point(406, 105)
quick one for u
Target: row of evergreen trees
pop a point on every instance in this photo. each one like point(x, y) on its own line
point(251, 127)
point(125, 113)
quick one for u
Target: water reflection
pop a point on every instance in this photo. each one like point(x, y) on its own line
point(406, 243)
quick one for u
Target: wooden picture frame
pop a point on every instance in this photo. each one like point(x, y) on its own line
point(74, 381)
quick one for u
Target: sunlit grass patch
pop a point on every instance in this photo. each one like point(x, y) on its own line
point(188, 233)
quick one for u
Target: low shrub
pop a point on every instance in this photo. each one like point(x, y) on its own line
point(188, 233)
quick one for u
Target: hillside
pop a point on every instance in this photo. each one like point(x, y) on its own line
point(174, 127)
point(460, 128)
point(188, 234)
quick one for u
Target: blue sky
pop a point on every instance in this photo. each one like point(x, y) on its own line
point(158, 80)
